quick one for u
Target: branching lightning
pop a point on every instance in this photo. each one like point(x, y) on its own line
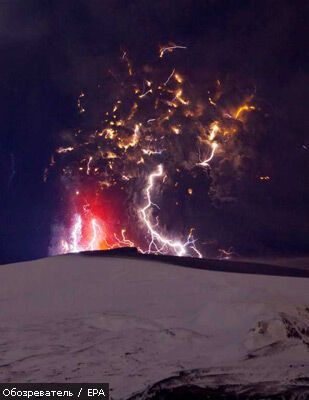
point(159, 243)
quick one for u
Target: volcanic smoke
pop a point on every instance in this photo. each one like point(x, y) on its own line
point(154, 124)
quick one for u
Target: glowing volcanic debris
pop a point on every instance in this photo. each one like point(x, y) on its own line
point(154, 127)
point(169, 49)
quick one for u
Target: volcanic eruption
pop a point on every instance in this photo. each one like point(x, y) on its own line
point(143, 132)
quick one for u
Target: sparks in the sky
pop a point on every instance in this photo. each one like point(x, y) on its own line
point(154, 128)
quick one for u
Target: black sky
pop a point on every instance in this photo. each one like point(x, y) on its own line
point(51, 50)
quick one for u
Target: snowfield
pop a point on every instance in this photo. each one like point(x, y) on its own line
point(145, 326)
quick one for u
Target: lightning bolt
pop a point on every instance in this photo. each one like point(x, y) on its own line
point(160, 243)
point(205, 163)
point(96, 230)
point(124, 241)
point(76, 234)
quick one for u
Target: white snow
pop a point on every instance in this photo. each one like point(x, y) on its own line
point(134, 322)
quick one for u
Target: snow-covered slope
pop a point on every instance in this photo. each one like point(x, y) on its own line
point(134, 323)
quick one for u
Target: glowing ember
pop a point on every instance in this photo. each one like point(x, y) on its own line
point(154, 129)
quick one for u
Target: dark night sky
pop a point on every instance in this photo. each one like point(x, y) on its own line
point(50, 50)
